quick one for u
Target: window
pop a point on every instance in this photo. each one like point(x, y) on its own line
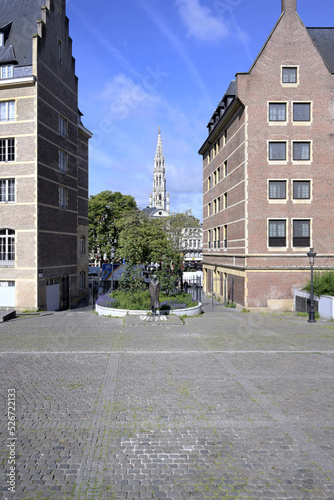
point(289, 74)
point(62, 161)
point(301, 111)
point(225, 236)
point(7, 111)
point(217, 237)
point(218, 174)
point(277, 235)
point(59, 50)
point(277, 112)
point(82, 245)
point(301, 233)
point(209, 182)
point(62, 126)
point(214, 178)
point(301, 190)
point(7, 247)
point(225, 200)
point(209, 208)
point(225, 168)
point(218, 204)
point(2, 39)
point(7, 190)
point(277, 150)
point(7, 149)
point(277, 190)
point(7, 71)
point(209, 238)
point(62, 197)
point(82, 280)
point(301, 151)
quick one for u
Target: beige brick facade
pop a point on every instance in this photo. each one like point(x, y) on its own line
point(49, 212)
point(261, 146)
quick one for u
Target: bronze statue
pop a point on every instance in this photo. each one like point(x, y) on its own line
point(154, 288)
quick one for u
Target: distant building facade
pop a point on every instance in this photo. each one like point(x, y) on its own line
point(159, 198)
point(192, 246)
point(43, 161)
point(268, 169)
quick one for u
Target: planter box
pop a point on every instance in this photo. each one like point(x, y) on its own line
point(323, 304)
point(120, 313)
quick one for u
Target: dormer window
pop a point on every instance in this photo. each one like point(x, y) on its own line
point(7, 72)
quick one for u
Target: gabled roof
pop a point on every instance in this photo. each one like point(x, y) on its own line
point(18, 21)
point(323, 39)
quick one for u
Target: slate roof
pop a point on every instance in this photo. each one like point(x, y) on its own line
point(18, 23)
point(323, 39)
point(149, 212)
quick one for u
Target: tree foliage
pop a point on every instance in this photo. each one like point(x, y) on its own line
point(140, 240)
point(145, 242)
point(105, 211)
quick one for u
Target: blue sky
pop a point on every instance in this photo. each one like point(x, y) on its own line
point(145, 64)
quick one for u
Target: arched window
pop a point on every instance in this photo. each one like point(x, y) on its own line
point(82, 280)
point(7, 247)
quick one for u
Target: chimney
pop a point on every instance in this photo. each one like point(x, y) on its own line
point(289, 6)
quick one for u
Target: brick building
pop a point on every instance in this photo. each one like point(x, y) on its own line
point(268, 169)
point(43, 160)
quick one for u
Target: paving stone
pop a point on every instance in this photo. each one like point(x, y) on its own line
point(226, 405)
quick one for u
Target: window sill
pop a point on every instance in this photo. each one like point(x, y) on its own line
point(272, 123)
point(301, 162)
point(297, 202)
point(277, 249)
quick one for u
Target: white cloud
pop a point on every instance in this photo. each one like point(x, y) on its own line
point(201, 21)
point(122, 96)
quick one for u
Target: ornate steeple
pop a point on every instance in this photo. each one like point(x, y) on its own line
point(159, 198)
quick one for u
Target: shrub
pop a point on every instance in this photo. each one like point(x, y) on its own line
point(131, 280)
point(141, 300)
point(323, 283)
point(107, 301)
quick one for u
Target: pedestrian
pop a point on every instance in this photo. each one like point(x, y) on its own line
point(185, 286)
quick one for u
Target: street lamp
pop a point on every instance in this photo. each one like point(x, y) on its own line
point(311, 255)
point(112, 256)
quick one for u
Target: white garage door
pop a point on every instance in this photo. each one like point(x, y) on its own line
point(52, 295)
point(7, 293)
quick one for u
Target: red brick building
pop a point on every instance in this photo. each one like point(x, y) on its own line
point(268, 169)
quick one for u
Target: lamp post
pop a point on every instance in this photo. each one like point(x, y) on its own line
point(112, 256)
point(311, 255)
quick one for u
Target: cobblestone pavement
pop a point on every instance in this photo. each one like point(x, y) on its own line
point(228, 405)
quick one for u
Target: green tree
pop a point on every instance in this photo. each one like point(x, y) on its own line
point(144, 241)
point(106, 210)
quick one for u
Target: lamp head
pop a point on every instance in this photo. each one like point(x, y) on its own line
point(311, 255)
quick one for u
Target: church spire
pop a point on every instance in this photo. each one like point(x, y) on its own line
point(159, 153)
point(159, 198)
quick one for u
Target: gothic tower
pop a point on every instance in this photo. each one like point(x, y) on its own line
point(159, 199)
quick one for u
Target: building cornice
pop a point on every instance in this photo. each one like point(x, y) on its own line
point(87, 133)
point(15, 82)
